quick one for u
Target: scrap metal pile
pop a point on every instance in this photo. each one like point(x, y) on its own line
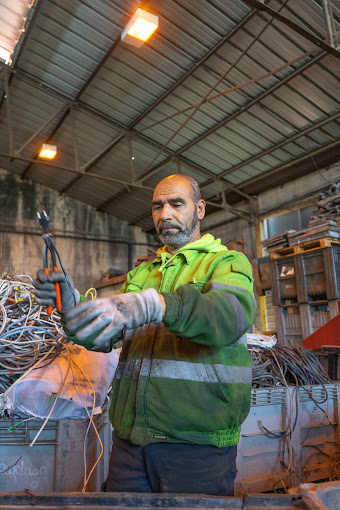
point(328, 206)
point(27, 334)
point(282, 366)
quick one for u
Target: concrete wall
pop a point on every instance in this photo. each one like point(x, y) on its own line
point(296, 194)
point(89, 242)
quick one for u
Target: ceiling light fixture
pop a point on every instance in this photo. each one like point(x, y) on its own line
point(140, 27)
point(48, 151)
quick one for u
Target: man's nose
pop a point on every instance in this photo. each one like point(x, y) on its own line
point(166, 213)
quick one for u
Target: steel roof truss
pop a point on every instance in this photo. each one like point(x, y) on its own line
point(39, 130)
point(306, 34)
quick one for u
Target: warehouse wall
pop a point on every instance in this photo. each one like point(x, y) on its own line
point(88, 241)
point(296, 194)
point(299, 193)
point(239, 235)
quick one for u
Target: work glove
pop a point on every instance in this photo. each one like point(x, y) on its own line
point(45, 294)
point(102, 319)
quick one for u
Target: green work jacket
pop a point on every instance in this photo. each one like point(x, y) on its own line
point(188, 379)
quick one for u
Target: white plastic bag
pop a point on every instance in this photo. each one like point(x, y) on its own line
point(85, 373)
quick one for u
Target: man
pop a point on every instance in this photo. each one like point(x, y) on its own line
point(182, 385)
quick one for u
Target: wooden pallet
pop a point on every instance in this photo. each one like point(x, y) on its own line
point(304, 246)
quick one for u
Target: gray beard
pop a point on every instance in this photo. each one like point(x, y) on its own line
point(182, 237)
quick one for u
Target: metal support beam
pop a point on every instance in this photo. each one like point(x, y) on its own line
point(75, 136)
point(195, 66)
point(9, 112)
point(306, 34)
point(147, 141)
point(131, 156)
point(184, 160)
point(53, 166)
point(241, 214)
point(290, 139)
point(37, 133)
point(244, 108)
point(80, 92)
point(333, 36)
point(130, 130)
point(102, 205)
point(158, 100)
point(293, 164)
point(93, 161)
point(295, 168)
point(251, 103)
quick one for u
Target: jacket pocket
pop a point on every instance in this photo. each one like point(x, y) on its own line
point(198, 283)
point(133, 287)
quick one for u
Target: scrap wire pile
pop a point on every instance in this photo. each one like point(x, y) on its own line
point(27, 333)
point(284, 366)
point(280, 365)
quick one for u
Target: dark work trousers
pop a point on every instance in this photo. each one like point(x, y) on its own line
point(171, 467)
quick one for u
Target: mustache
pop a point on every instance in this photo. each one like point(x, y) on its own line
point(168, 224)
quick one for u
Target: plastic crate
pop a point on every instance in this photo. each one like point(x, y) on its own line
point(295, 323)
point(319, 278)
point(289, 326)
point(283, 277)
point(55, 463)
point(262, 459)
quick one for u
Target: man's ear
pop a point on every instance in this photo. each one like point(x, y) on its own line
point(200, 209)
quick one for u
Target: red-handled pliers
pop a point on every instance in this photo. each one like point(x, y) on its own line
point(44, 220)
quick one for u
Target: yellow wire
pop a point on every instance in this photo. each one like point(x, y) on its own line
point(92, 292)
point(91, 422)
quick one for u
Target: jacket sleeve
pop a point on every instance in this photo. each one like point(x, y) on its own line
point(222, 312)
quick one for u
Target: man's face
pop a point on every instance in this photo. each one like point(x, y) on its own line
point(175, 215)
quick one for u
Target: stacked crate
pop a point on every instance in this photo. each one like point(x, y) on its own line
point(305, 292)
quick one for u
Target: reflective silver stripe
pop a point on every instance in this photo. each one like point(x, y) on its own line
point(130, 368)
point(218, 286)
point(234, 374)
point(241, 340)
point(184, 370)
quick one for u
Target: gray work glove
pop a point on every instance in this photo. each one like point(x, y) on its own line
point(45, 294)
point(102, 319)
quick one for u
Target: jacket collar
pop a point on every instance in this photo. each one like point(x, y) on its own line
point(206, 243)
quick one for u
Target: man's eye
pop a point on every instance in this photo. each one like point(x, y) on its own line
point(177, 205)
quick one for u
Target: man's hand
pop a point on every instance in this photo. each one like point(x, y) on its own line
point(106, 318)
point(45, 294)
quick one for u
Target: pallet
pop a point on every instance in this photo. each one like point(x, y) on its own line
point(303, 247)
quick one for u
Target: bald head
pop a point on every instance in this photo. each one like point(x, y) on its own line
point(196, 192)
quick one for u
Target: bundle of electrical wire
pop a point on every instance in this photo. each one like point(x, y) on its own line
point(281, 365)
point(27, 333)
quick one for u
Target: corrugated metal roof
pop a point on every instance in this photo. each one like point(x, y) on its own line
point(72, 52)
